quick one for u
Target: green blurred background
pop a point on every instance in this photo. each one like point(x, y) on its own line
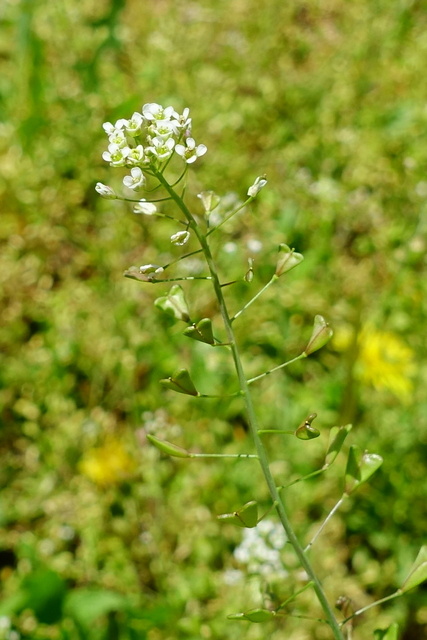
point(100, 536)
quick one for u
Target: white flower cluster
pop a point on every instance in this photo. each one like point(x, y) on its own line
point(260, 549)
point(148, 139)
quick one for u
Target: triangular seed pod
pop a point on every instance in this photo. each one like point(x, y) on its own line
point(181, 383)
point(202, 331)
point(167, 447)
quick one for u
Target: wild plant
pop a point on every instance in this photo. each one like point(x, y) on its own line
point(151, 144)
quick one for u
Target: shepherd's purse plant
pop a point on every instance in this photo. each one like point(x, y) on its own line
point(156, 148)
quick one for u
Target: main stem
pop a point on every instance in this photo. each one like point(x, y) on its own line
point(252, 418)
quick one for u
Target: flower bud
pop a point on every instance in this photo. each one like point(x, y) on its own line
point(288, 259)
point(180, 238)
point(321, 334)
point(105, 191)
point(259, 183)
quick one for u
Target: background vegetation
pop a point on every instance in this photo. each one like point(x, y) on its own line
point(102, 537)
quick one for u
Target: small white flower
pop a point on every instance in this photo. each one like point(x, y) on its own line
point(118, 138)
point(161, 149)
point(259, 183)
point(184, 120)
point(116, 155)
point(190, 152)
point(111, 128)
point(163, 129)
point(147, 208)
point(105, 191)
point(180, 238)
point(133, 126)
point(154, 111)
point(135, 180)
point(136, 156)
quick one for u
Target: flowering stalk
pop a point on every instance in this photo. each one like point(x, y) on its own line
point(146, 143)
point(251, 415)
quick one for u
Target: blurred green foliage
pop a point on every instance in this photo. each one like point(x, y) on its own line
point(327, 99)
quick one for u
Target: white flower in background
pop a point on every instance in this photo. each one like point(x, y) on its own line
point(134, 124)
point(116, 155)
point(254, 245)
point(105, 191)
point(180, 238)
point(161, 149)
point(190, 152)
point(136, 156)
point(260, 549)
point(259, 183)
point(135, 180)
point(147, 208)
point(154, 111)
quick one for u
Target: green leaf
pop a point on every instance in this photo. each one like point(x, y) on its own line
point(254, 615)
point(174, 304)
point(86, 605)
point(246, 517)
point(167, 447)
point(387, 634)
point(418, 572)
point(337, 437)
point(43, 591)
point(201, 331)
point(181, 383)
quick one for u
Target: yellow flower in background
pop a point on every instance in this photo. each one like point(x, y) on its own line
point(384, 361)
point(107, 465)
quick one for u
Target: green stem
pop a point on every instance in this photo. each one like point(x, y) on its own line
point(256, 296)
point(359, 612)
point(223, 455)
point(252, 418)
point(230, 215)
point(325, 522)
point(280, 366)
